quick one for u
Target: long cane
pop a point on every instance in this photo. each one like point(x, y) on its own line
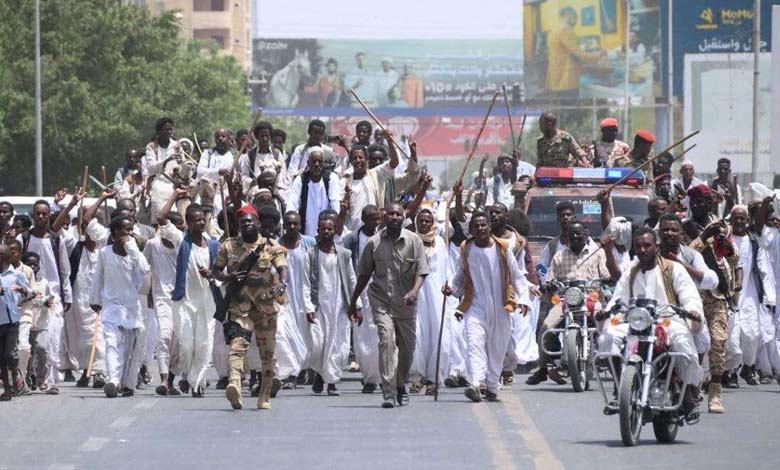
point(84, 181)
point(522, 127)
point(377, 121)
point(509, 115)
point(443, 304)
point(105, 185)
point(479, 134)
point(96, 329)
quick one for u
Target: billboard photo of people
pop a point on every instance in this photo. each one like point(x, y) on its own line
point(576, 49)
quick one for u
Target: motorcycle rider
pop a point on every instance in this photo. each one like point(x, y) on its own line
point(668, 283)
point(578, 260)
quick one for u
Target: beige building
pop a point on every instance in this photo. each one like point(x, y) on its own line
point(225, 21)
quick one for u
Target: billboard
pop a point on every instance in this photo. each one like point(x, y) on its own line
point(576, 49)
point(714, 27)
point(719, 102)
point(417, 77)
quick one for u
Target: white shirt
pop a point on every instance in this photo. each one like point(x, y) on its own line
point(48, 269)
point(211, 162)
point(317, 200)
point(300, 158)
point(117, 282)
point(162, 261)
point(505, 195)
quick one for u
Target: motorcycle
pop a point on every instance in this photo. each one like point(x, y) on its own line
point(649, 389)
point(579, 302)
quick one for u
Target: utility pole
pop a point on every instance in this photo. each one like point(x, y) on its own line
point(670, 76)
point(626, 71)
point(756, 54)
point(38, 116)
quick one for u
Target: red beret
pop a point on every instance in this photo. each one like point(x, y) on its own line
point(645, 135)
point(701, 190)
point(247, 209)
point(665, 176)
point(609, 122)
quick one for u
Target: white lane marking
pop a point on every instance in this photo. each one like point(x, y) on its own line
point(93, 444)
point(146, 404)
point(62, 466)
point(493, 436)
point(122, 422)
point(537, 445)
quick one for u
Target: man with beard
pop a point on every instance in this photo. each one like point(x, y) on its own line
point(666, 282)
point(255, 309)
point(757, 295)
point(395, 257)
point(576, 261)
point(491, 287)
point(313, 191)
point(609, 149)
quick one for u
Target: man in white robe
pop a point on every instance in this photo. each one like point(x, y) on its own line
point(767, 227)
point(314, 191)
point(365, 339)
point(193, 303)
point(120, 271)
point(158, 160)
point(491, 287)
point(331, 278)
point(758, 292)
point(646, 279)
point(215, 163)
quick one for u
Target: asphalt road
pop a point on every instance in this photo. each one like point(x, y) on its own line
point(544, 427)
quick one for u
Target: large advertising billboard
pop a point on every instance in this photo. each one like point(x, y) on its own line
point(313, 76)
point(576, 49)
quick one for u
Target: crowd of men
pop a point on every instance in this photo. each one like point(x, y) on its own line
point(343, 258)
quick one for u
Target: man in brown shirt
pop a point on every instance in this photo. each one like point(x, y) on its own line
point(396, 259)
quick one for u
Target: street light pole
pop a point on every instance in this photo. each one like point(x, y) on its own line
point(756, 52)
point(670, 76)
point(38, 116)
point(626, 71)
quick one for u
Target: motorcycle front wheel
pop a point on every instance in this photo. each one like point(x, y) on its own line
point(665, 429)
point(574, 362)
point(628, 399)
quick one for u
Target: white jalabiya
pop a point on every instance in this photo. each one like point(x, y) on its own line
point(769, 350)
point(488, 326)
point(458, 346)
point(365, 339)
point(117, 282)
point(155, 166)
point(744, 331)
point(208, 167)
point(330, 331)
point(81, 313)
point(650, 285)
point(291, 349)
point(194, 313)
point(429, 303)
point(297, 290)
point(162, 260)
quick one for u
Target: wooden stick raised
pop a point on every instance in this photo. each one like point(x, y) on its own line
point(105, 185)
point(376, 120)
point(522, 127)
point(647, 162)
point(84, 181)
point(509, 115)
point(479, 134)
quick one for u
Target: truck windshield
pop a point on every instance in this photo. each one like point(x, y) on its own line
point(544, 221)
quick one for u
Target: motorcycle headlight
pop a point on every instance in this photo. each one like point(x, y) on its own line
point(574, 296)
point(639, 319)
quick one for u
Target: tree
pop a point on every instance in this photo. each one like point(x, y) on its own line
point(108, 72)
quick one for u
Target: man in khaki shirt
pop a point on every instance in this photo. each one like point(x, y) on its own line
point(396, 259)
point(576, 261)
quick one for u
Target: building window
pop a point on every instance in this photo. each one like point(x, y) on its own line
point(220, 36)
point(208, 5)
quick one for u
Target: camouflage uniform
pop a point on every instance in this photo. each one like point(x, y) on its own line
point(254, 309)
point(561, 151)
point(627, 161)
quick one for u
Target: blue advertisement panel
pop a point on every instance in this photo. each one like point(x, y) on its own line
point(713, 27)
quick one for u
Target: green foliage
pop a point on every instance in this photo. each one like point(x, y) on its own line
point(108, 72)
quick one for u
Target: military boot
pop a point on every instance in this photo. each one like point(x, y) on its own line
point(714, 404)
point(264, 402)
point(233, 394)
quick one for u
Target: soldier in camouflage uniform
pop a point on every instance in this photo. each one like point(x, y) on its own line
point(556, 147)
point(643, 143)
point(255, 308)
